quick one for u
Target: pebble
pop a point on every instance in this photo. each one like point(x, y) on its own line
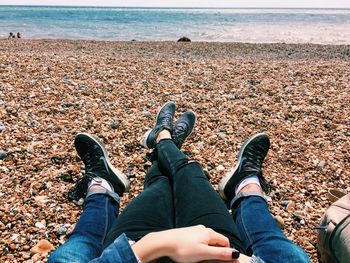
point(290, 206)
point(114, 126)
point(42, 247)
point(39, 225)
point(70, 82)
point(221, 135)
point(3, 155)
point(220, 168)
point(285, 202)
point(4, 169)
point(321, 165)
point(61, 230)
point(30, 150)
point(56, 135)
point(2, 128)
point(26, 247)
point(41, 199)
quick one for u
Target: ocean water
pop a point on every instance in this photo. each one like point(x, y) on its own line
point(324, 26)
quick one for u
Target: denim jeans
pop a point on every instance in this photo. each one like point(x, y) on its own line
point(177, 193)
point(260, 234)
point(85, 242)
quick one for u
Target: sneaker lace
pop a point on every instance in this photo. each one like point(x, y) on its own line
point(252, 164)
point(167, 120)
point(180, 135)
point(93, 167)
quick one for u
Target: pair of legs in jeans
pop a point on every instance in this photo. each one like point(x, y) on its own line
point(178, 194)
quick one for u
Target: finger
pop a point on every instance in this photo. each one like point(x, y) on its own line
point(216, 239)
point(215, 253)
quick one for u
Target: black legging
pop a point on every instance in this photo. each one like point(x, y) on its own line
point(176, 193)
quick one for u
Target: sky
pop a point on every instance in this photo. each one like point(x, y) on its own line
point(189, 3)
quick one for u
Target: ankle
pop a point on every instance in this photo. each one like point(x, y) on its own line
point(164, 134)
point(96, 187)
point(251, 188)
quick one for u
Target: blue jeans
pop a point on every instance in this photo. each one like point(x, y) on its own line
point(85, 242)
point(260, 234)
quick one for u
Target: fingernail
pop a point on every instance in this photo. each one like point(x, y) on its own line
point(235, 254)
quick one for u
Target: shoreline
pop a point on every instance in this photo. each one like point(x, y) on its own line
point(172, 41)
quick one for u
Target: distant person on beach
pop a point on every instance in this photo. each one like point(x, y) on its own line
point(11, 35)
point(179, 216)
point(18, 35)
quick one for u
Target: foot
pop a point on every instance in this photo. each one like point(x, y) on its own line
point(184, 127)
point(97, 165)
point(250, 160)
point(164, 121)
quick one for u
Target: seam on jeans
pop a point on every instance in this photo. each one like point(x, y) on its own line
point(243, 223)
point(106, 222)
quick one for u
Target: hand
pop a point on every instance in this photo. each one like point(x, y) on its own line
point(185, 245)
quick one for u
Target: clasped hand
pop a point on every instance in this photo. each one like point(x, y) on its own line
point(186, 245)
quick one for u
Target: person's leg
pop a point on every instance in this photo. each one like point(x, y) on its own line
point(85, 242)
point(261, 235)
point(195, 200)
point(244, 188)
point(101, 188)
point(150, 211)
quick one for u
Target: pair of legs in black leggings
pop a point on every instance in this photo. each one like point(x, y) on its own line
point(176, 194)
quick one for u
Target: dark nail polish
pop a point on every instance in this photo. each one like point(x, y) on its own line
point(235, 254)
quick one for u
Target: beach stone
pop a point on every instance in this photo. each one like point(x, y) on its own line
point(220, 168)
point(114, 126)
point(42, 247)
point(290, 206)
point(30, 150)
point(4, 169)
point(147, 114)
point(41, 199)
point(61, 230)
point(55, 135)
point(3, 155)
point(184, 39)
point(321, 165)
point(39, 225)
point(285, 202)
point(2, 128)
point(70, 82)
point(221, 135)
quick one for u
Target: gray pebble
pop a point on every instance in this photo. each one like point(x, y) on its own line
point(3, 155)
point(61, 231)
point(285, 202)
point(55, 135)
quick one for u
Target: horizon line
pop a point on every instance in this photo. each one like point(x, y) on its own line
point(176, 7)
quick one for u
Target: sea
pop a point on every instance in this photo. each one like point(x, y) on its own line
point(252, 25)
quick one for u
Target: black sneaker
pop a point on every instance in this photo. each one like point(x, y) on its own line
point(183, 127)
point(250, 160)
point(164, 121)
point(97, 164)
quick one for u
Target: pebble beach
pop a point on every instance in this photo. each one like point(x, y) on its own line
point(52, 89)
